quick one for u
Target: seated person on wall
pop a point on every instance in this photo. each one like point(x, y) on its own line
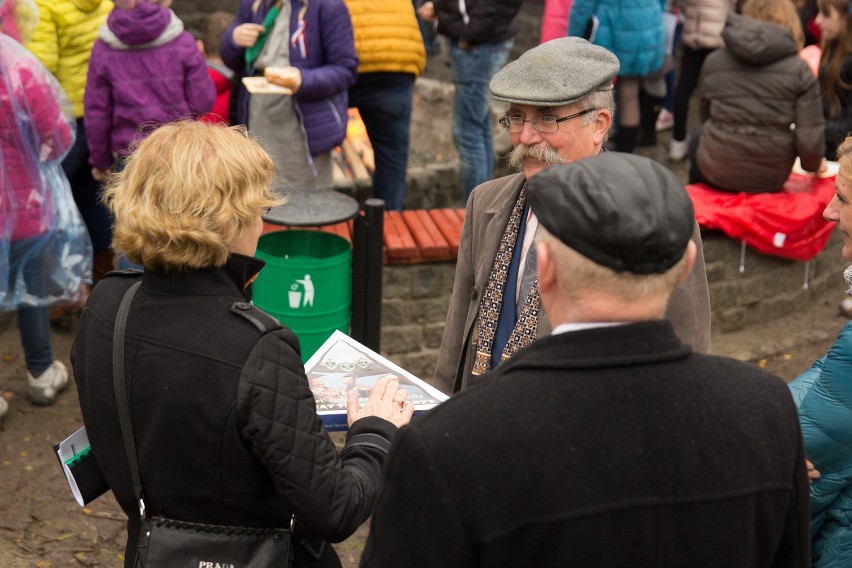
point(552, 118)
point(824, 397)
point(608, 443)
point(761, 104)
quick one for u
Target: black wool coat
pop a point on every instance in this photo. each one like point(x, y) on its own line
point(606, 447)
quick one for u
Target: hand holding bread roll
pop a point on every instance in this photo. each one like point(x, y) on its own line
point(290, 77)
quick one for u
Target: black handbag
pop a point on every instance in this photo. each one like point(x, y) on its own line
point(173, 543)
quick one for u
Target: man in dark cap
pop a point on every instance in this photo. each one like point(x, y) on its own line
point(560, 110)
point(609, 443)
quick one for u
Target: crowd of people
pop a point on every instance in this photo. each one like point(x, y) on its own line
point(589, 423)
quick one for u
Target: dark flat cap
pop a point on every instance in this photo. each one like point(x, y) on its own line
point(621, 211)
point(555, 73)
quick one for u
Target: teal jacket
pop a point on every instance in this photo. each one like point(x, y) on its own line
point(631, 29)
point(823, 395)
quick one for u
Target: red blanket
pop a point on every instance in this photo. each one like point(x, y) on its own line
point(788, 224)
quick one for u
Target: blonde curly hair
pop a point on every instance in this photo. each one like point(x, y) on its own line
point(188, 191)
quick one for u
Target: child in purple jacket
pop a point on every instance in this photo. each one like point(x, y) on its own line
point(145, 71)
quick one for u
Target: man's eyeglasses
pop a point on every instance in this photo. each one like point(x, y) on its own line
point(544, 124)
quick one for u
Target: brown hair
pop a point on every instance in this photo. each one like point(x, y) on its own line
point(212, 28)
point(187, 192)
point(780, 12)
point(834, 52)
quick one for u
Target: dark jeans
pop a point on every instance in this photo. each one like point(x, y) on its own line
point(26, 259)
point(690, 68)
point(429, 33)
point(87, 192)
point(384, 102)
point(668, 102)
point(472, 70)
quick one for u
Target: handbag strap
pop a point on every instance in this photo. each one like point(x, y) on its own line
point(121, 393)
point(124, 407)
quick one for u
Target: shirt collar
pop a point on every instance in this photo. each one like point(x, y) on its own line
point(569, 327)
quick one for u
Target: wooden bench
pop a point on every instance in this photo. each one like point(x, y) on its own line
point(410, 237)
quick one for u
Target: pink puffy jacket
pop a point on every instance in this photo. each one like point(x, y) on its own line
point(554, 21)
point(33, 131)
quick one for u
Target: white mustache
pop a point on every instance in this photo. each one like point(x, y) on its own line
point(539, 152)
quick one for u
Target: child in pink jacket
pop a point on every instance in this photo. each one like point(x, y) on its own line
point(35, 134)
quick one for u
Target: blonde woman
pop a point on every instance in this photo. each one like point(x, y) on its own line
point(225, 423)
point(823, 395)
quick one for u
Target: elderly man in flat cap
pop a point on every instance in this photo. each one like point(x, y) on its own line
point(560, 110)
point(609, 443)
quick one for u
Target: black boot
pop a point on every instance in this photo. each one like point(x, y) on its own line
point(648, 109)
point(625, 139)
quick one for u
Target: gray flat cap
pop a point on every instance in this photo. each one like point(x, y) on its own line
point(555, 73)
point(621, 211)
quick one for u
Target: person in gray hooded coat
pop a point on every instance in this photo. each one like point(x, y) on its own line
point(761, 104)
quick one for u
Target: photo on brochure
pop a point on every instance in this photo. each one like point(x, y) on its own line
point(342, 365)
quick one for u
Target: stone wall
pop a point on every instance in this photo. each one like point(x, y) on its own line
point(769, 287)
point(416, 297)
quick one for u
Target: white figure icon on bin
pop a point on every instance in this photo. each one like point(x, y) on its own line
point(296, 296)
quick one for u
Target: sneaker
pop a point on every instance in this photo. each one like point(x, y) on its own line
point(43, 390)
point(678, 149)
point(665, 120)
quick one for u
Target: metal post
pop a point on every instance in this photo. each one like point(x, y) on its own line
point(374, 212)
point(359, 279)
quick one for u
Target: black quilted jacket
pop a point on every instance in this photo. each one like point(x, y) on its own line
point(225, 423)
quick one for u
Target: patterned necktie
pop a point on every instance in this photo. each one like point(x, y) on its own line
point(525, 328)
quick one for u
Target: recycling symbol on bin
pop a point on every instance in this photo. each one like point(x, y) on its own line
point(301, 293)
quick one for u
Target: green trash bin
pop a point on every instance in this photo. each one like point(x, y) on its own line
point(306, 284)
